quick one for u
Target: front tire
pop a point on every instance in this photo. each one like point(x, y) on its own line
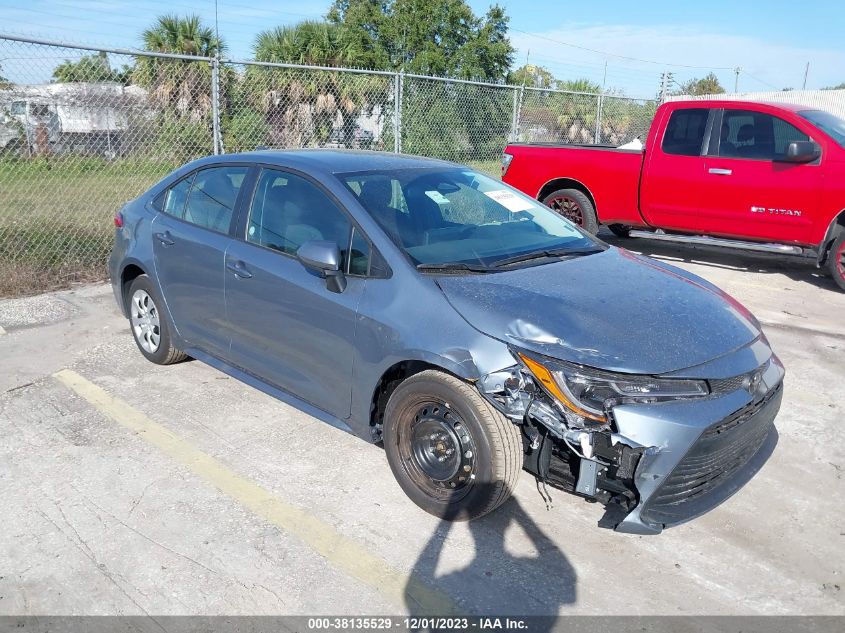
point(836, 260)
point(452, 453)
point(148, 323)
point(575, 206)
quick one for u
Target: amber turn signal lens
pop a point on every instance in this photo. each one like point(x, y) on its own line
point(547, 380)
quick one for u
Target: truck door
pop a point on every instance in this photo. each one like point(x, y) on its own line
point(752, 191)
point(674, 179)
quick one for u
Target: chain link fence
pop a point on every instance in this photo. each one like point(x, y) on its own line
point(83, 130)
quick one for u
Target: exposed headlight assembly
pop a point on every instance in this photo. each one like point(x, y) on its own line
point(586, 395)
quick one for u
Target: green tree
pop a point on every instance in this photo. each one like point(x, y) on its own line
point(93, 68)
point(442, 38)
point(708, 85)
point(302, 108)
point(532, 76)
point(836, 87)
point(178, 87)
point(431, 37)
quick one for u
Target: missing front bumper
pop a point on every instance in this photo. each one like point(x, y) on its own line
point(659, 465)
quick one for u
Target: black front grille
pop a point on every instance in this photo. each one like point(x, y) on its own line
point(705, 475)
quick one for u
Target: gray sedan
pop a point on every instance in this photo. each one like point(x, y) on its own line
point(467, 327)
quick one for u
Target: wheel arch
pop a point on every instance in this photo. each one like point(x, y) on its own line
point(834, 229)
point(130, 271)
point(396, 374)
point(567, 183)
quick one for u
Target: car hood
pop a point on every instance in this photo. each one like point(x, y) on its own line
point(612, 310)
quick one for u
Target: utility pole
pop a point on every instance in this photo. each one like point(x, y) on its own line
point(664, 84)
point(806, 72)
point(737, 70)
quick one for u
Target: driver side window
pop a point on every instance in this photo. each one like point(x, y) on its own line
point(756, 135)
point(288, 210)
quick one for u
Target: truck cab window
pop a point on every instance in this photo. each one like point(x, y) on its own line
point(685, 132)
point(756, 135)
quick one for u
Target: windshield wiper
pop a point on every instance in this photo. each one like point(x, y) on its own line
point(546, 254)
point(453, 267)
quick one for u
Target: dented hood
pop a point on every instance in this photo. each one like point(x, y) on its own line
point(613, 310)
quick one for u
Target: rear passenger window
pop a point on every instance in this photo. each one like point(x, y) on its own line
point(211, 201)
point(174, 202)
point(685, 132)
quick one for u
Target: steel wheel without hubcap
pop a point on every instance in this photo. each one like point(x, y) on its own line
point(840, 261)
point(438, 452)
point(144, 317)
point(568, 208)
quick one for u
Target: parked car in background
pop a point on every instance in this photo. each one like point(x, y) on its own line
point(755, 176)
point(467, 327)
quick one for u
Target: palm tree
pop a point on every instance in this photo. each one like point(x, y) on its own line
point(302, 108)
point(181, 87)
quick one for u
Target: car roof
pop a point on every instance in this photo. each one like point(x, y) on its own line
point(332, 160)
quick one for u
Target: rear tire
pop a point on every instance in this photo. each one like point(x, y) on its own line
point(452, 453)
point(836, 260)
point(149, 324)
point(575, 206)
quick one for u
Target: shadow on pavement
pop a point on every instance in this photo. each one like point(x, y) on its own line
point(798, 269)
point(537, 581)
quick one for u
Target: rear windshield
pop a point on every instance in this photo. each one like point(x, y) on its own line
point(829, 123)
point(456, 215)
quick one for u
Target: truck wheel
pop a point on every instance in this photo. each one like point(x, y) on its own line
point(836, 260)
point(575, 207)
point(149, 325)
point(452, 453)
point(620, 230)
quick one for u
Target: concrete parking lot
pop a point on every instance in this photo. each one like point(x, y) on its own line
point(129, 488)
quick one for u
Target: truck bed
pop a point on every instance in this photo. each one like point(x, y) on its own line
point(613, 175)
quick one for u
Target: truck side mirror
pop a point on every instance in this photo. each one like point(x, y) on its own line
point(323, 257)
point(802, 152)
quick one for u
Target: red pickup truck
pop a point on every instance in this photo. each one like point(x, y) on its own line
point(757, 176)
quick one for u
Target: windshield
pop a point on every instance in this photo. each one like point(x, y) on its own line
point(828, 123)
point(458, 217)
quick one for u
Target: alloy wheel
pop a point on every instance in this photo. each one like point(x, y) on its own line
point(568, 208)
point(146, 324)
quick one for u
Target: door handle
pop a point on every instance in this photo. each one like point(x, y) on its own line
point(239, 268)
point(165, 238)
point(720, 172)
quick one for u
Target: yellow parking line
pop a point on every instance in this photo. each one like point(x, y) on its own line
point(342, 552)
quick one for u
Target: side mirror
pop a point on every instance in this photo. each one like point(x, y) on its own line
point(802, 152)
point(323, 257)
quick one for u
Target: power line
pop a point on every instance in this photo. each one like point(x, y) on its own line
point(765, 83)
point(608, 54)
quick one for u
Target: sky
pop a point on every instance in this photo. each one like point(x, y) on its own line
point(631, 43)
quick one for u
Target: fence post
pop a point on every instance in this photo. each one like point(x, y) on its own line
point(599, 108)
point(215, 105)
point(517, 111)
point(397, 112)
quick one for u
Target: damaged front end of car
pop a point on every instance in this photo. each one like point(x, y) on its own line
point(654, 450)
